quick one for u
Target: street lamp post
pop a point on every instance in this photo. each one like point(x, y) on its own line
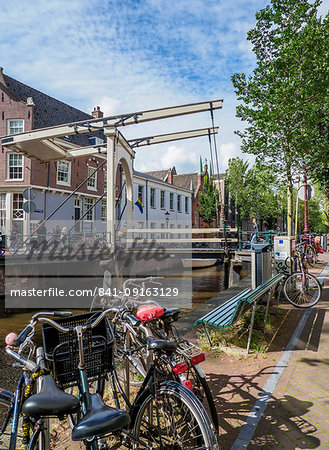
point(167, 214)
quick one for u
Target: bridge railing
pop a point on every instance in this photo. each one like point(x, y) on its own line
point(245, 236)
point(195, 237)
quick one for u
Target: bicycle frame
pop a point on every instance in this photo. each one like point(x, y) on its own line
point(14, 411)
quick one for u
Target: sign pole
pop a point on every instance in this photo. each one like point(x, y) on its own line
point(306, 228)
point(297, 198)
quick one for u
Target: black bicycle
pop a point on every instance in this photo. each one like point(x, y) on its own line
point(79, 350)
point(160, 323)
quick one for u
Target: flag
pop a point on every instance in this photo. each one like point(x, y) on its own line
point(140, 205)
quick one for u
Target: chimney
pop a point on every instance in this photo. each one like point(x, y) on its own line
point(97, 113)
point(170, 177)
point(2, 78)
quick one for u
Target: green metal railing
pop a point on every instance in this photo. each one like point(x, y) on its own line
point(267, 237)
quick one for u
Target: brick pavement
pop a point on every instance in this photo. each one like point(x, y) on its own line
point(297, 416)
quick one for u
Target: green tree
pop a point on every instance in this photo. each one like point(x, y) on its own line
point(316, 213)
point(284, 101)
point(254, 190)
point(209, 205)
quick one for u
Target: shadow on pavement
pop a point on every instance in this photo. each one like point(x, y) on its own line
point(282, 421)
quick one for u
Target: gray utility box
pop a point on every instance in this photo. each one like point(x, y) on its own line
point(283, 246)
point(261, 264)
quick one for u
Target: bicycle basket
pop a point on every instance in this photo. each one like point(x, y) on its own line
point(61, 349)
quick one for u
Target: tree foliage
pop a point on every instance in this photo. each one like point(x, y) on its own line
point(284, 103)
point(209, 206)
point(254, 190)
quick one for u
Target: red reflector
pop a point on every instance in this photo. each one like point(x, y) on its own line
point(188, 385)
point(180, 368)
point(197, 359)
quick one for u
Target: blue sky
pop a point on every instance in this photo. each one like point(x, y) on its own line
point(136, 55)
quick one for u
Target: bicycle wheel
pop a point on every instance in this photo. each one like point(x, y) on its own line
point(176, 421)
point(311, 256)
point(135, 357)
point(202, 391)
point(302, 289)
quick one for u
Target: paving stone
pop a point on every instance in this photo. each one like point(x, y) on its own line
point(299, 409)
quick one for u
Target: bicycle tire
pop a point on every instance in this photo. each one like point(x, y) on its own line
point(209, 398)
point(302, 290)
point(311, 256)
point(138, 371)
point(136, 360)
point(187, 425)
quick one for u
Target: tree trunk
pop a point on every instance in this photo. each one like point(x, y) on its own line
point(289, 199)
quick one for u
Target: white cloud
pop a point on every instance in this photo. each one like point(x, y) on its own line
point(109, 105)
point(130, 56)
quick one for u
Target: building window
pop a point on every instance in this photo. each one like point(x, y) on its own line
point(88, 206)
point(140, 193)
point(186, 205)
point(152, 198)
point(171, 202)
point(105, 180)
point(18, 206)
point(172, 235)
point(64, 172)
point(179, 203)
point(92, 182)
point(2, 212)
point(104, 210)
point(15, 126)
point(140, 227)
point(96, 141)
point(14, 166)
point(162, 199)
point(152, 228)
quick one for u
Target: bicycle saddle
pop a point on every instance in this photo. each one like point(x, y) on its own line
point(50, 401)
point(99, 420)
point(160, 345)
point(171, 315)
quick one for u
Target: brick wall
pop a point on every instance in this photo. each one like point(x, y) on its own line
point(11, 108)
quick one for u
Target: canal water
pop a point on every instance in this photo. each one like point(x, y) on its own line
point(206, 283)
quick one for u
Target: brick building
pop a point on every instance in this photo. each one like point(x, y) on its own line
point(23, 108)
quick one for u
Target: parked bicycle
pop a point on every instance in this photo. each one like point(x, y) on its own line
point(307, 250)
point(19, 406)
point(78, 350)
point(158, 322)
point(301, 288)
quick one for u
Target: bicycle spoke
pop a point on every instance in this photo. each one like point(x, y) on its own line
point(302, 290)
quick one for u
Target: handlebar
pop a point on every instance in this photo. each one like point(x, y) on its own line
point(23, 335)
point(138, 281)
point(53, 314)
point(37, 319)
point(27, 363)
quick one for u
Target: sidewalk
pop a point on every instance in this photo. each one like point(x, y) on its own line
point(297, 416)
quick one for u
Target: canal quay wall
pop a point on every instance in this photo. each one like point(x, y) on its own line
point(28, 271)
